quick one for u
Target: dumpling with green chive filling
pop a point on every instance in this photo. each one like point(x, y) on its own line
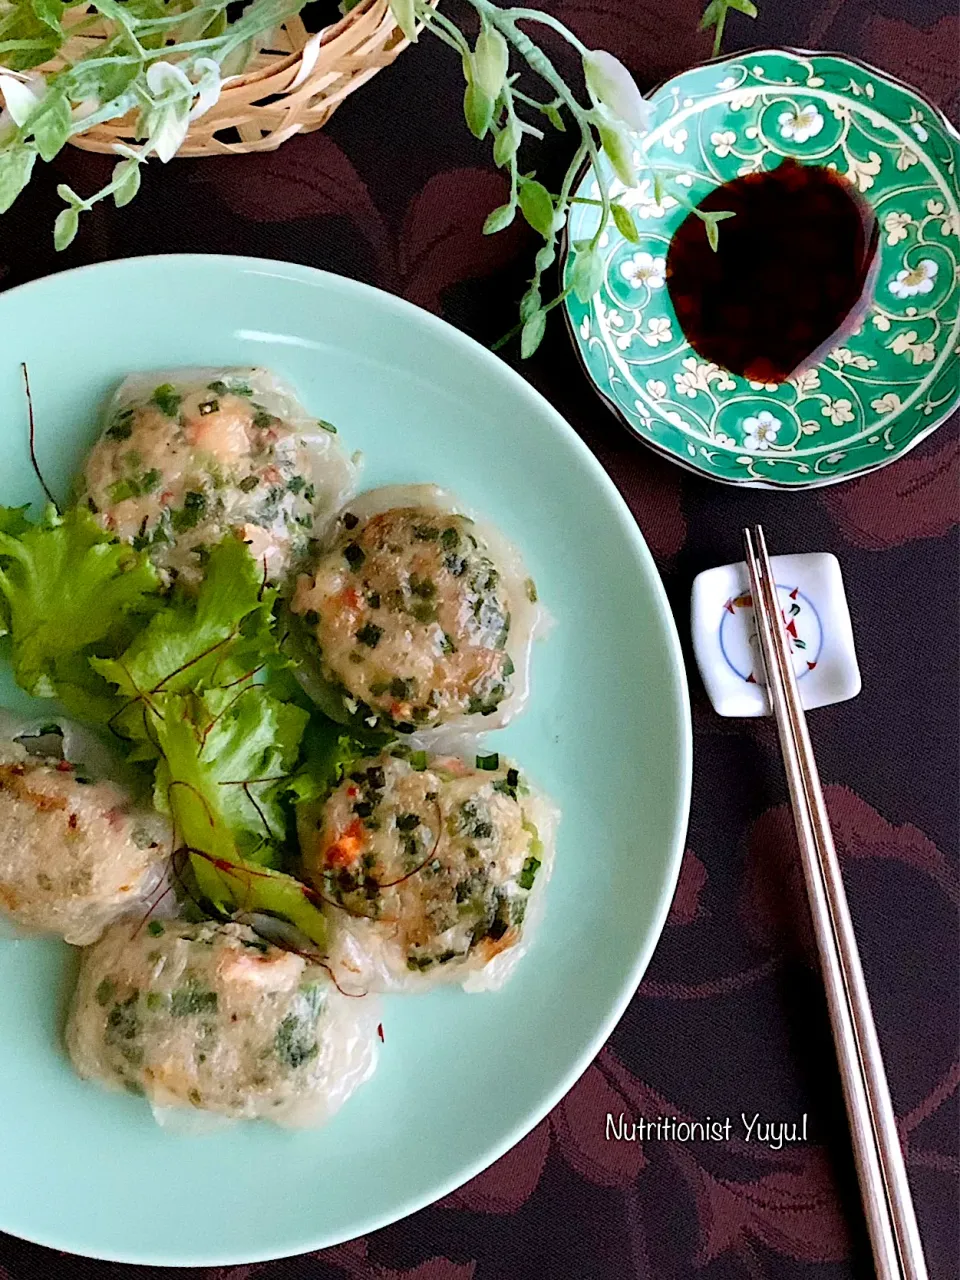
point(416, 617)
point(432, 869)
point(210, 1018)
point(191, 455)
point(76, 849)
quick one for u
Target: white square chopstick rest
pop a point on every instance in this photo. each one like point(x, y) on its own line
point(817, 619)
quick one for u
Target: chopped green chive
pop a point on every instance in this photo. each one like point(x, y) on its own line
point(121, 428)
point(369, 634)
point(353, 554)
point(529, 873)
point(190, 1000)
point(424, 612)
point(167, 400)
point(489, 763)
point(193, 510)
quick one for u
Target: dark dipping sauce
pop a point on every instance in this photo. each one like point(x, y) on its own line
point(792, 274)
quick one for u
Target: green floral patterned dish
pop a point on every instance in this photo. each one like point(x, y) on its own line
point(891, 381)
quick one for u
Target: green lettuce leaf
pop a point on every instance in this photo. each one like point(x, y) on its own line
point(203, 639)
point(327, 754)
point(65, 583)
point(208, 751)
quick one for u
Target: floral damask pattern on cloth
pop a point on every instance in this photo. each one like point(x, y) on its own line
point(729, 1020)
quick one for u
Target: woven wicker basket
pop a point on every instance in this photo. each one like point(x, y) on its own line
point(293, 86)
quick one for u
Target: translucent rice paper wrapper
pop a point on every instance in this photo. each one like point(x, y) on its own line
point(50, 739)
point(245, 1000)
point(351, 1052)
point(362, 961)
point(277, 521)
point(529, 619)
point(329, 469)
point(53, 737)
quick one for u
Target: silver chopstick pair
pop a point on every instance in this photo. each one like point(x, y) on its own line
point(891, 1221)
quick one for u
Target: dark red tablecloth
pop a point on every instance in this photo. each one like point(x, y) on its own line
point(730, 1017)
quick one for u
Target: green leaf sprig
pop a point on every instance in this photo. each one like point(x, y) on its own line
point(609, 121)
point(715, 15)
point(163, 60)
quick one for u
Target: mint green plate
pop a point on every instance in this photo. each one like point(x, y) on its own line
point(461, 1078)
point(875, 394)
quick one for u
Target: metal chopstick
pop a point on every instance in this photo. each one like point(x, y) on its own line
point(891, 1221)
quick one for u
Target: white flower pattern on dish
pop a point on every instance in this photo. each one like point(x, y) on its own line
point(760, 432)
point(838, 411)
point(895, 225)
point(800, 125)
point(913, 280)
point(723, 142)
point(658, 330)
point(645, 269)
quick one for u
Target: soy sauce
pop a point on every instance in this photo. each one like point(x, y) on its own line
point(793, 272)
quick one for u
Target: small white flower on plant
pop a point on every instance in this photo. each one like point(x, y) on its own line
point(913, 280)
point(761, 432)
point(722, 142)
point(208, 86)
point(20, 96)
point(645, 269)
point(838, 411)
point(176, 101)
point(612, 84)
point(800, 125)
point(895, 225)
